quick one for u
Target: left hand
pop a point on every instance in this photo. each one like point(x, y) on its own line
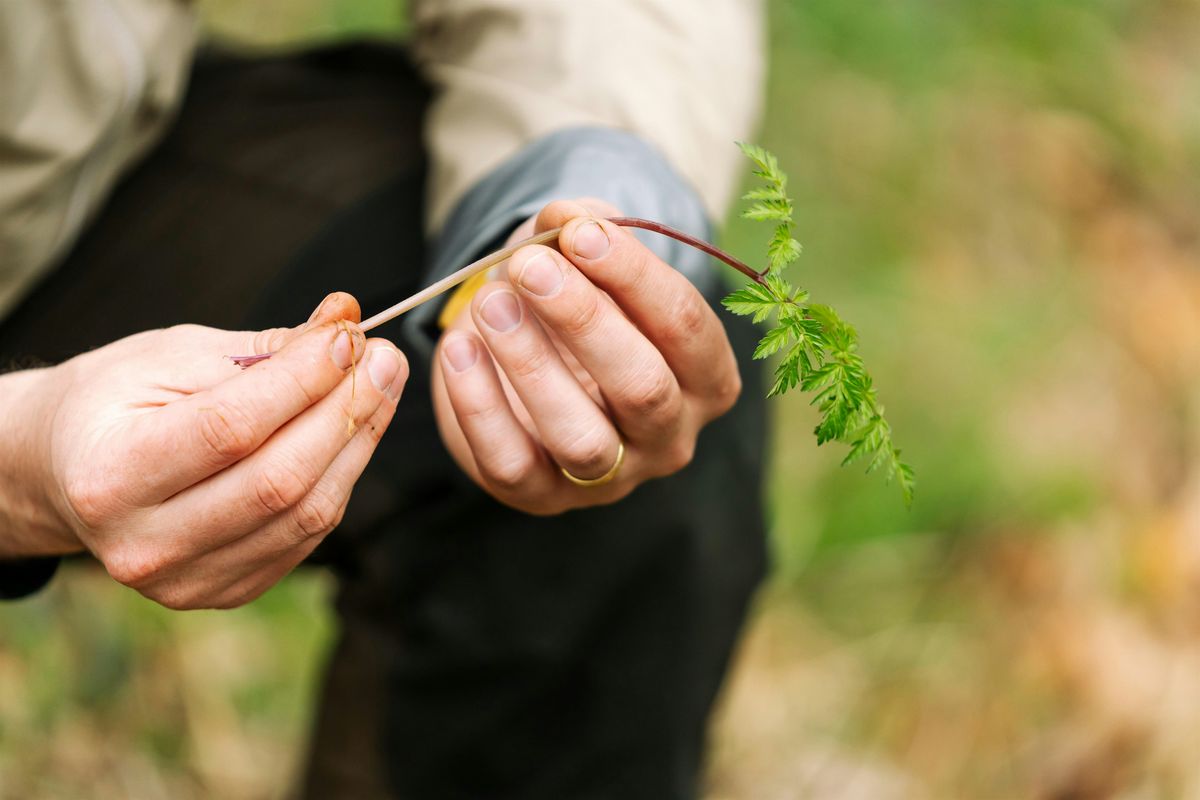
point(574, 354)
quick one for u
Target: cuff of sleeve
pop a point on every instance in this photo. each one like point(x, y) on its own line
point(580, 162)
point(26, 576)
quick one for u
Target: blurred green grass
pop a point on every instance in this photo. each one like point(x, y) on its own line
point(1004, 198)
point(882, 119)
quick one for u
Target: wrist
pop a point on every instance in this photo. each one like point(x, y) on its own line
point(30, 524)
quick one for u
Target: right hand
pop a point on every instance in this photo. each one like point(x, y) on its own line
point(200, 484)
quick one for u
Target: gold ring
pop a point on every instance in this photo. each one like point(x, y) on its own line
point(603, 479)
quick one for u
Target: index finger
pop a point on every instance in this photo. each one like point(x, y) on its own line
point(176, 366)
point(187, 440)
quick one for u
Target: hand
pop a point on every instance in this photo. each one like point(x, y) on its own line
point(197, 483)
point(573, 354)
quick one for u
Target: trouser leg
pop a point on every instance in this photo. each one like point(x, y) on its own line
point(572, 657)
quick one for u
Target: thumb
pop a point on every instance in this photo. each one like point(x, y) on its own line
point(335, 306)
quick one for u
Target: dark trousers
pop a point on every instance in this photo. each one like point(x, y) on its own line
point(482, 653)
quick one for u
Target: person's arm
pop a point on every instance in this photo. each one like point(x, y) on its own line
point(635, 104)
point(86, 88)
point(29, 537)
point(28, 526)
point(684, 78)
point(638, 102)
point(192, 481)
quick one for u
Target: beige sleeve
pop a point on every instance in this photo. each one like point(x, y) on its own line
point(86, 86)
point(685, 75)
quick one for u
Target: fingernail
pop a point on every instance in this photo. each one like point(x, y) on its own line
point(461, 352)
point(317, 313)
point(383, 366)
point(347, 348)
point(590, 241)
point(501, 311)
point(541, 275)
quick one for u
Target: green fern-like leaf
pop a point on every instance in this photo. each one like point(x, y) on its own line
point(783, 249)
point(816, 348)
point(772, 342)
point(767, 166)
point(768, 210)
point(751, 300)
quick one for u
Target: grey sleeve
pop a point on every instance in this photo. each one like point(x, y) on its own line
point(598, 162)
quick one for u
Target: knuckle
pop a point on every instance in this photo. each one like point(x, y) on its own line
point(686, 322)
point(227, 431)
point(239, 596)
point(135, 567)
point(654, 396)
point(280, 486)
point(476, 414)
point(227, 604)
point(529, 363)
point(727, 392)
point(91, 498)
point(267, 340)
point(679, 456)
point(187, 330)
point(508, 475)
point(589, 453)
point(174, 599)
point(299, 388)
point(544, 508)
point(317, 514)
point(582, 316)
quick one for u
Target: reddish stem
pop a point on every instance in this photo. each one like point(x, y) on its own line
point(688, 239)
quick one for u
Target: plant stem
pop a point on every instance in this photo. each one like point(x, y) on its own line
point(452, 280)
point(688, 239)
point(547, 237)
point(500, 256)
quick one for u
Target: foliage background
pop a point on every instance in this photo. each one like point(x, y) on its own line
point(1004, 197)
